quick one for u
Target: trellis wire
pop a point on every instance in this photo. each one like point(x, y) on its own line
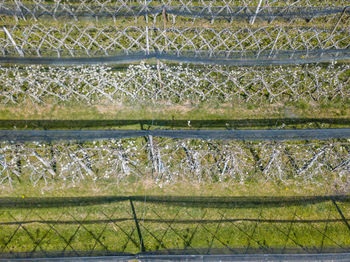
point(55, 11)
point(164, 161)
point(177, 84)
point(270, 45)
point(248, 46)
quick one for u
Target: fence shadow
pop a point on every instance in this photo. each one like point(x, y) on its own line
point(149, 227)
point(144, 124)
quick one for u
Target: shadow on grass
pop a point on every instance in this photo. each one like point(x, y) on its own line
point(192, 201)
point(147, 124)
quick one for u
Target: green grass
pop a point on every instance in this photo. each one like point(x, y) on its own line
point(180, 236)
point(159, 236)
point(38, 237)
point(202, 111)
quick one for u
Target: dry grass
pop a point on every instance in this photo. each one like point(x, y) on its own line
point(148, 187)
point(164, 111)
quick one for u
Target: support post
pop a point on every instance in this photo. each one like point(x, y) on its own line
point(256, 12)
point(147, 38)
point(164, 30)
point(18, 162)
point(159, 74)
point(53, 159)
point(152, 153)
point(19, 51)
point(274, 44)
point(164, 19)
point(19, 8)
point(335, 27)
point(142, 246)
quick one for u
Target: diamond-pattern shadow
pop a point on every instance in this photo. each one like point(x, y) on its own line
point(173, 225)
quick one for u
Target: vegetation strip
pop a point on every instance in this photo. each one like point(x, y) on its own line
point(178, 221)
point(246, 257)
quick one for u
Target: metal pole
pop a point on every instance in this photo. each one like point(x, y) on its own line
point(147, 39)
point(164, 19)
point(152, 153)
point(274, 44)
point(335, 27)
point(256, 12)
point(13, 42)
point(53, 158)
point(19, 8)
point(18, 162)
point(159, 74)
